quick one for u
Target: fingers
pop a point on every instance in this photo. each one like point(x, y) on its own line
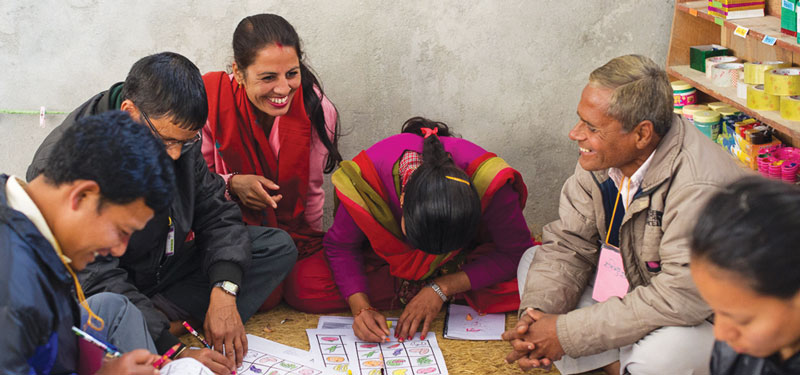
point(412, 328)
point(237, 342)
point(267, 183)
point(425, 326)
point(376, 324)
point(140, 356)
point(515, 355)
point(230, 350)
point(522, 346)
point(527, 363)
point(244, 343)
point(215, 361)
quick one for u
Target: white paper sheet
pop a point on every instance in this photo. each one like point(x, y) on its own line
point(185, 366)
point(265, 357)
point(342, 322)
point(341, 350)
point(462, 322)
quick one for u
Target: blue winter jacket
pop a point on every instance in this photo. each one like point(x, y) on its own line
point(37, 307)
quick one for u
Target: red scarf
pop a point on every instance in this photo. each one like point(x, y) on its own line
point(244, 146)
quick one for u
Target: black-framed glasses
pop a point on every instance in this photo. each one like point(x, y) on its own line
point(172, 143)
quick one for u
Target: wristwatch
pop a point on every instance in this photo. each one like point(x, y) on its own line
point(438, 290)
point(229, 287)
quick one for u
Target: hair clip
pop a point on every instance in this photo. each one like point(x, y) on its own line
point(428, 131)
point(456, 179)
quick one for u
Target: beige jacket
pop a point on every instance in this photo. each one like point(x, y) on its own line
point(685, 171)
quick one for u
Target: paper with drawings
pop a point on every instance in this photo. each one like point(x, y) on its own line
point(265, 357)
point(463, 322)
point(343, 322)
point(341, 350)
point(185, 366)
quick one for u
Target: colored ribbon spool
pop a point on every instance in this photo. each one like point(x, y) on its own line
point(682, 94)
point(758, 99)
point(754, 71)
point(785, 81)
point(790, 107)
point(711, 61)
point(690, 110)
point(707, 122)
point(726, 74)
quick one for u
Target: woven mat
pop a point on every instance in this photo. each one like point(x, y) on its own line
point(462, 357)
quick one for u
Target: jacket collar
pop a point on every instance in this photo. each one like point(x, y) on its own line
point(40, 246)
point(663, 163)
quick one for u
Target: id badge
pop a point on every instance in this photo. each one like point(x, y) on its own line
point(170, 247)
point(610, 280)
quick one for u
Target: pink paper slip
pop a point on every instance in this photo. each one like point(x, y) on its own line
point(610, 280)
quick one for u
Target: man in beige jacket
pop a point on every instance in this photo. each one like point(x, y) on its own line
point(642, 176)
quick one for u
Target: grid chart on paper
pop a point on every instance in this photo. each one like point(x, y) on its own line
point(257, 363)
point(334, 352)
point(399, 358)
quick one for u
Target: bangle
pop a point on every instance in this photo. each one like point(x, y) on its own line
point(438, 290)
point(233, 196)
point(362, 310)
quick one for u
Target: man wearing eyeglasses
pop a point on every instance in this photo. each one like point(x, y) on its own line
point(195, 261)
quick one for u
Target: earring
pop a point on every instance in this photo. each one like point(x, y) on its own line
point(240, 85)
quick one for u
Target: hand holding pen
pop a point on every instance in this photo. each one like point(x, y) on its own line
point(212, 359)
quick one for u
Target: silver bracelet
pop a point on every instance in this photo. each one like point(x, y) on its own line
point(438, 290)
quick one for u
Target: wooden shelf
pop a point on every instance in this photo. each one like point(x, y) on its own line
point(728, 95)
point(759, 26)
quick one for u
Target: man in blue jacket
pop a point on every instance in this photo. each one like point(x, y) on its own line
point(102, 184)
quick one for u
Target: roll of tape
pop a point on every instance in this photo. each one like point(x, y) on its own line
point(790, 107)
point(726, 74)
point(758, 99)
point(711, 61)
point(784, 81)
point(754, 71)
point(741, 88)
point(682, 94)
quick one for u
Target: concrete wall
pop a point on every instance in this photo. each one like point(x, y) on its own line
point(504, 74)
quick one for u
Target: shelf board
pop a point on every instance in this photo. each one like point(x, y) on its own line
point(728, 95)
point(759, 26)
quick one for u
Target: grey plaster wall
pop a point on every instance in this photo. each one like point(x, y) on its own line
point(505, 74)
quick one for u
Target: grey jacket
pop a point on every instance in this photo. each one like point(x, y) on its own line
point(685, 171)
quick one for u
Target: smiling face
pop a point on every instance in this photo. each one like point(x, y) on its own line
point(601, 140)
point(87, 228)
point(271, 80)
point(749, 322)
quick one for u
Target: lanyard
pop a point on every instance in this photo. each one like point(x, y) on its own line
point(619, 193)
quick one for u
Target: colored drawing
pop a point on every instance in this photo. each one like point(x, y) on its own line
point(372, 363)
point(400, 371)
point(420, 351)
point(266, 357)
point(332, 348)
point(427, 370)
point(329, 339)
point(426, 360)
point(370, 354)
point(396, 362)
point(394, 346)
point(397, 352)
point(368, 346)
point(342, 367)
point(335, 359)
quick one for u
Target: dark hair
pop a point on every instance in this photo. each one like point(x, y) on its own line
point(122, 156)
point(751, 229)
point(256, 32)
point(168, 84)
point(440, 213)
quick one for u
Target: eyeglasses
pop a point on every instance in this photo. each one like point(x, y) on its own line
point(171, 143)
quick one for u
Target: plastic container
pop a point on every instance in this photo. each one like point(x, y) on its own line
point(706, 122)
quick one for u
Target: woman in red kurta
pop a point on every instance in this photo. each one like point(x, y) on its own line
point(272, 133)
